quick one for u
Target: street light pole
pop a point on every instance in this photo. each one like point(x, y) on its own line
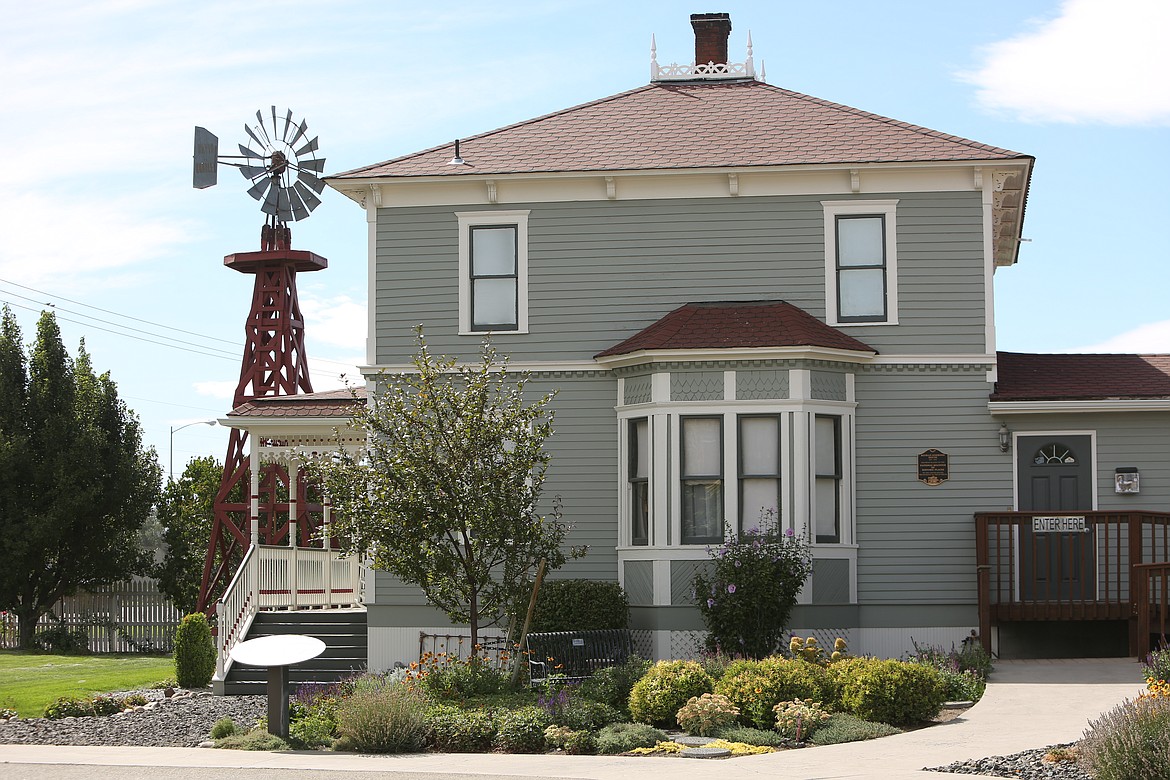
point(171, 466)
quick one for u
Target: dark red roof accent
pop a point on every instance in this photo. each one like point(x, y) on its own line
point(1024, 377)
point(332, 403)
point(731, 324)
point(685, 126)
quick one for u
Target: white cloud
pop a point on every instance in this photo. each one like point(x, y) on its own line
point(337, 320)
point(220, 389)
point(1153, 337)
point(1100, 61)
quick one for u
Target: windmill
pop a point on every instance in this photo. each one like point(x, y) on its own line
point(280, 161)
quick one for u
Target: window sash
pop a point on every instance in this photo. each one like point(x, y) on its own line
point(494, 277)
point(861, 268)
point(827, 478)
point(701, 471)
point(760, 469)
point(638, 475)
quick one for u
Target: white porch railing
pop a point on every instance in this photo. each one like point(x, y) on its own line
point(273, 577)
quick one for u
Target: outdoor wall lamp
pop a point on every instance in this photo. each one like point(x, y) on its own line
point(1005, 438)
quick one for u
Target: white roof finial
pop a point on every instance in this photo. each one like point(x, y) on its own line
point(749, 65)
point(653, 58)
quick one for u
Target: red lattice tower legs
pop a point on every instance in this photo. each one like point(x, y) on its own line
point(274, 364)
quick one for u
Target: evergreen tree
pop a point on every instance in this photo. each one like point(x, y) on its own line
point(78, 484)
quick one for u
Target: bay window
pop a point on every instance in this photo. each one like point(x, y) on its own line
point(701, 470)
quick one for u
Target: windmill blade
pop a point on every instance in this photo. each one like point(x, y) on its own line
point(272, 202)
point(253, 136)
point(263, 127)
point(301, 132)
point(311, 146)
point(311, 180)
point(247, 152)
point(311, 165)
point(284, 207)
point(205, 170)
point(257, 191)
point(299, 211)
point(287, 124)
point(252, 171)
point(311, 201)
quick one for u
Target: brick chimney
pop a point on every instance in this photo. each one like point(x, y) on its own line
point(711, 33)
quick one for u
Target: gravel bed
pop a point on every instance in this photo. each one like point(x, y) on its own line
point(1029, 765)
point(184, 720)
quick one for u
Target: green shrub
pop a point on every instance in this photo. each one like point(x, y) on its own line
point(665, 688)
point(106, 705)
point(751, 736)
point(799, 719)
point(314, 730)
point(751, 588)
point(256, 739)
point(134, 700)
point(454, 730)
point(624, 737)
point(458, 679)
point(703, 715)
point(194, 652)
point(390, 718)
point(894, 692)
point(716, 663)
point(62, 639)
point(964, 672)
point(69, 707)
point(224, 727)
point(758, 686)
point(580, 605)
point(577, 743)
point(1130, 741)
point(521, 730)
point(612, 685)
point(843, 727)
point(581, 714)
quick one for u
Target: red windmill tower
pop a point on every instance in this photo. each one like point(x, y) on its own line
point(280, 160)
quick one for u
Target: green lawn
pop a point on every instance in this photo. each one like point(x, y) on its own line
point(29, 681)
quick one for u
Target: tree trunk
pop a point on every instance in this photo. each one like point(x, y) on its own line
point(473, 619)
point(26, 620)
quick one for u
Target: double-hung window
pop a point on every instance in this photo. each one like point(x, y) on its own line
point(701, 470)
point(639, 480)
point(759, 471)
point(860, 262)
point(493, 271)
point(827, 478)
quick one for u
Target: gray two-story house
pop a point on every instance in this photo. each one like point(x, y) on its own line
point(753, 301)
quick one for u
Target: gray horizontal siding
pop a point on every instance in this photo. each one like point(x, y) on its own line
point(917, 542)
point(601, 271)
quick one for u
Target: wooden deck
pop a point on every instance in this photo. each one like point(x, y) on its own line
point(1048, 566)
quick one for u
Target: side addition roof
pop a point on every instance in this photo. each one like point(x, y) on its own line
point(739, 324)
point(689, 125)
point(332, 403)
point(1025, 377)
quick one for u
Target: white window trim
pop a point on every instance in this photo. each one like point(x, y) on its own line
point(884, 208)
point(470, 219)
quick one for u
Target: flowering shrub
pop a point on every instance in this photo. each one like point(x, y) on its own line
point(1129, 741)
point(748, 596)
point(799, 719)
point(757, 686)
point(810, 650)
point(447, 676)
point(1157, 664)
point(703, 715)
point(963, 672)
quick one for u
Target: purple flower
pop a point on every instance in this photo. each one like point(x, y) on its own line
point(789, 532)
point(710, 603)
point(738, 564)
point(731, 588)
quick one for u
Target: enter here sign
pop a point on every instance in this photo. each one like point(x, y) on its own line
point(1060, 524)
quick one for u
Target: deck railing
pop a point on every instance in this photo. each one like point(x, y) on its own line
point(1065, 565)
point(272, 577)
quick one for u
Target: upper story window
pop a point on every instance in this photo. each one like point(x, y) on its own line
point(861, 262)
point(493, 271)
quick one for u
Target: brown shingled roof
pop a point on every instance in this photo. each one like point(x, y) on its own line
point(332, 403)
point(690, 125)
point(727, 325)
point(1023, 377)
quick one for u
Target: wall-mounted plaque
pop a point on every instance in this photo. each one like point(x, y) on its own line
point(934, 467)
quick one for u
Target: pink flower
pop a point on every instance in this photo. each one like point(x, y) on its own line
point(731, 588)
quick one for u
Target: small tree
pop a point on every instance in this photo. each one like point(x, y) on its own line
point(446, 494)
point(194, 652)
point(753, 585)
point(187, 511)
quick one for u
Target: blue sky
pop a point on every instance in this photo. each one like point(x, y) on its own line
point(100, 98)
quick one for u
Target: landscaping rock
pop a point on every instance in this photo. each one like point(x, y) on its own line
point(705, 752)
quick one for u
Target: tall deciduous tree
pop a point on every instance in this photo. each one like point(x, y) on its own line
point(187, 511)
point(77, 483)
point(446, 494)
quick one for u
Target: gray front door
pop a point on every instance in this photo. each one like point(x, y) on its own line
point(1055, 476)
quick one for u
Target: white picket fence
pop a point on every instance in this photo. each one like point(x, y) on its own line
point(131, 616)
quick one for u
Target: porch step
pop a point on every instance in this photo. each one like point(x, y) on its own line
point(346, 645)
